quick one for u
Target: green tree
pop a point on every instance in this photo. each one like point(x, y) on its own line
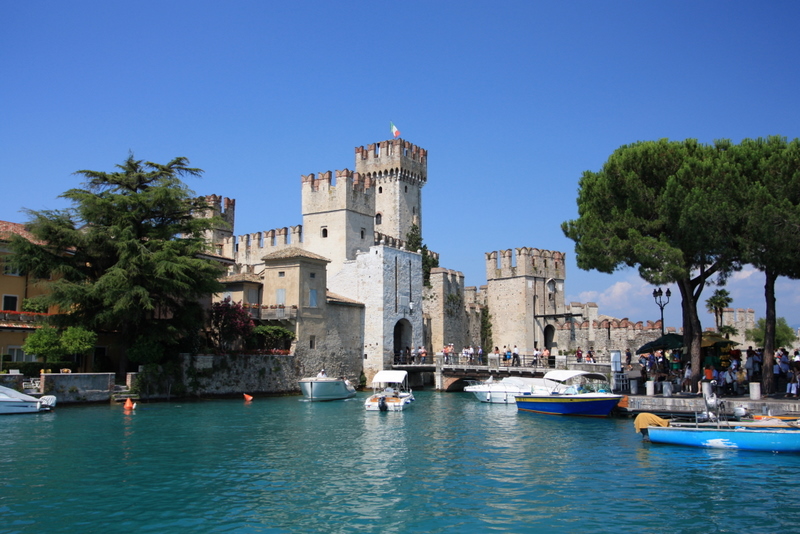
point(669, 208)
point(45, 343)
point(784, 334)
point(717, 302)
point(271, 337)
point(127, 256)
point(486, 331)
point(78, 341)
point(429, 261)
point(772, 222)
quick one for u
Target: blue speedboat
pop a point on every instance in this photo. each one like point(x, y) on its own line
point(760, 435)
point(743, 438)
point(567, 399)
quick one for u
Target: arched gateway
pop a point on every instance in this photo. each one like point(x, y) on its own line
point(403, 338)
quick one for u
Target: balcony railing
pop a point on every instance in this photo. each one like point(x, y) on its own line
point(277, 314)
point(23, 317)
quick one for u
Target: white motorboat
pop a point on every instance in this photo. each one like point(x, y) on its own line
point(320, 388)
point(390, 392)
point(12, 401)
point(503, 391)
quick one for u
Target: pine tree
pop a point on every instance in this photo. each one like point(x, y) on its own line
point(127, 256)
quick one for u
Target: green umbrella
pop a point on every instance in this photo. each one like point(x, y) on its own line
point(665, 342)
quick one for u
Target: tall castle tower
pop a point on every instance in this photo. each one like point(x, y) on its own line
point(338, 217)
point(525, 296)
point(398, 171)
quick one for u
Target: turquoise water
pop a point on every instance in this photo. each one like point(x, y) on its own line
point(448, 464)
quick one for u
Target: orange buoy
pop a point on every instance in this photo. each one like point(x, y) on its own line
point(129, 404)
point(247, 397)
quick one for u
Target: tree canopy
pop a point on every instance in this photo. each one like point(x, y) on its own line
point(716, 303)
point(784, 334)
point(664, 207)
point(429, 261)
point(127, 256)
point(691, 214)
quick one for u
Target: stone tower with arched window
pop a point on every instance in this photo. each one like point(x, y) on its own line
point(338, 216)
point(398, 171)
point(525, 296)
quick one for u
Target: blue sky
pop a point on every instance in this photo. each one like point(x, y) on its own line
point(513, 101)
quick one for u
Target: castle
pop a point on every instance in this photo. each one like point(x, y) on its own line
point(346, 284)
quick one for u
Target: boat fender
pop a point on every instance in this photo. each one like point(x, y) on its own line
point(247, 398)
point(128, 404)
point(382, 404)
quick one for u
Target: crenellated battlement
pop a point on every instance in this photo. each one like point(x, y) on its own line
point(348, 191)
point(525, 261)
point(389, 241)
point(248, 249)
point(222, 207)
point(393, 160)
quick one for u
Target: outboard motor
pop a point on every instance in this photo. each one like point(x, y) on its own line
point(382, 406)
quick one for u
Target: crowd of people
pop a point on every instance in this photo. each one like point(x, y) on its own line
point(509, 356)
point(730, 373)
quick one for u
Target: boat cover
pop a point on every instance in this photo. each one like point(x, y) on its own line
point(562, 375)
point(389, 377)
point(14, 394)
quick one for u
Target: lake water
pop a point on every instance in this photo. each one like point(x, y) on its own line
point(448, 464)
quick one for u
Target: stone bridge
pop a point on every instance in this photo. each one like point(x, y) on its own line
point(454, 376)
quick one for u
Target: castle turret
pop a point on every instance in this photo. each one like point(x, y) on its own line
point(337, 216)
point(224, 209)
point(398, 170)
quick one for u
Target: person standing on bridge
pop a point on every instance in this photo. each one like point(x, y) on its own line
point(515, 356)
point(423, 354)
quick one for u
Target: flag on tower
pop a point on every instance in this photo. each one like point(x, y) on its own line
point(395, 131)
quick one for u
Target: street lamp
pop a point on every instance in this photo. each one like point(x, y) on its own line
point(660, 302)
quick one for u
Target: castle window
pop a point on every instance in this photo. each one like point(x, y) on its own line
point(312, 275)
point(281, 274)
point(377, 150)
point(363, 232)
point(378, 218)
point(406, 191)
point(312, 342)
point(312, 298)
point(280, 296)
point(324, 232)
point(380, 190)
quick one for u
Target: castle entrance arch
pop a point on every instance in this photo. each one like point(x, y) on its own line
point(402, 339)
point(549, 335)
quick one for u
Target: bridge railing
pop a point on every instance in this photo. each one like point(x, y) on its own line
point(526, 361)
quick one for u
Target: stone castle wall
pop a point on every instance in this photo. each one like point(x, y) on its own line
point(445, 306)
point(742, 320)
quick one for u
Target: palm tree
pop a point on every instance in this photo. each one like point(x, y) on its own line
point(717, 302)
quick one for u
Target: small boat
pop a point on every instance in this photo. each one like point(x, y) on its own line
point(719, 435)
point(566, 399)
point(504, 391)
point(319, 388)
point(12, 401)
point(390, 392)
